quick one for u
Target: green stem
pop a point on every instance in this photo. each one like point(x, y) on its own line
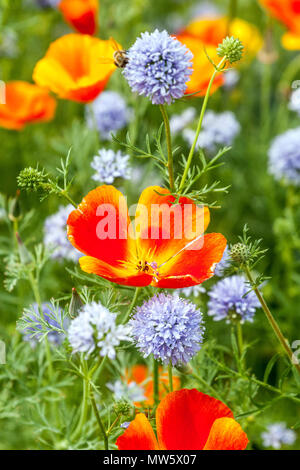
point(207, 385)
point(271, 319)
point(155, 382)
point(266, 101)
point(65, 194)
point(204, 106)
point(240, 336)
point(131, 306)
point(84, 405)
point(169, 146)
point(113, 425)
point(98, 418)
point(170, 372)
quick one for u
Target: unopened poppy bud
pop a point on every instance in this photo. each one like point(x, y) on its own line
point(25, 255)
point(231, 48)
point(15, 208)
point(123, 407)
point(76, 304)
point(239, 253)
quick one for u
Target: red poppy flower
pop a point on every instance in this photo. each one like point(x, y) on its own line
point(288, 12)
point(140, 375)
point(186, 420)
point(167, 248)
point(82, 15)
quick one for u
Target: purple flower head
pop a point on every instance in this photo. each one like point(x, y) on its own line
point(109, 113)
point(223, 264)
point(168, 327)
point(33, 327)
point(228, 300)
point(55, 230)
point(109, 165)
point(159, 67)
point(284, 157)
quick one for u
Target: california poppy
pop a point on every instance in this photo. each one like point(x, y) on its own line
point(25, 103)
point(140, 375)
point(82, 15)
point(157, 252)
point(212, 31)
point(72, 67)
point(202, 68)
point(186, 420)
point(288, 13)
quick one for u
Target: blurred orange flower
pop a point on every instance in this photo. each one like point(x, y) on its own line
point(202, 68)
point(212, 31)
point(140, 375)
point(288, 13)
point(25, 103)
point(207, 33)
point(82, 15)
point(72, 67)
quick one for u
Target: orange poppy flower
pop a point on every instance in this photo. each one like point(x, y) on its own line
point(82, 15)
point(166, 248)
point(72, 67)
point(186, 420)
point(288, 13)
point(212, 31)
point(25, 103)
point(140, 375)
point(202, 68)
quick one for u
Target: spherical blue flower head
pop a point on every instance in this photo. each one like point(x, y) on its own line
point(55, 235)
point(223, 264)
point(277, 435)
point(95, 328)
point(159, 67)
point(35, 329)
point(168, 327)
point(284, 157)
point(109, 113)
point(228, 300)
point(48, 3)
point(110, 165)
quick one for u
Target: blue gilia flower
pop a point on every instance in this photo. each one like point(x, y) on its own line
point(34, 327)
point(218, 130)
point(228, 300)
point(109, 113)
point(131, 391)
point(277, 435)
point(159, 67)
point(223, 264)
point(284, 157)
point(178, 122)
point(192, 291)
point(96, 328)
point(168, 327)
point(110, 165)
point(55, 235)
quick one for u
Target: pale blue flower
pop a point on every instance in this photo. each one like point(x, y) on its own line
point(231, 298)
point(193, 291)
point(110, 165)
point(294, 104)
point(108, 113)
point(95, 328)
point(55, 235)
point(159, 67)
point(277, 435)
point(178, 122)
point(223, 264)
point(131, 391)
point(168, 327)
point(284, 157)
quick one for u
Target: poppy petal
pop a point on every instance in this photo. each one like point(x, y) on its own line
point(118, 274)
point(184, 419)
point(138, 436)
point(162, 227)
point(194, 264)
point(226, 434)
point(99, 226)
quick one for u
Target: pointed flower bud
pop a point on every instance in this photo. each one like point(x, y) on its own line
point(123, 407)
point(25, 255)
point(76, 304)
point(35, 180)
point(239, 253)
point(15, 208)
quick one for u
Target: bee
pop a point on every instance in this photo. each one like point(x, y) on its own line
point(120, 57)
